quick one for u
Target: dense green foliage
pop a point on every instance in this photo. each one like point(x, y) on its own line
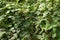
point(29, 20)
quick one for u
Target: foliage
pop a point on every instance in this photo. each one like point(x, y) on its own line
point(29, 20)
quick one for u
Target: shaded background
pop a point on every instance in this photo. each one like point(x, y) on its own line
point(29, 19)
